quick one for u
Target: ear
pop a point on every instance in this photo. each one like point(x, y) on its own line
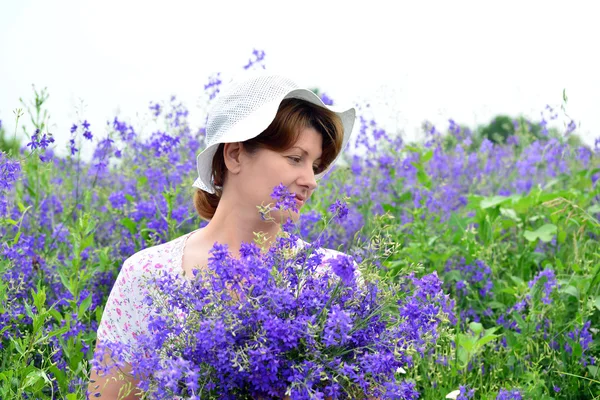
point(232, 155)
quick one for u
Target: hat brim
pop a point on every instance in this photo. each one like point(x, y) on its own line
point(258, 122)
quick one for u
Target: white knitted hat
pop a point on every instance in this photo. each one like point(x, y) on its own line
point(245, 108)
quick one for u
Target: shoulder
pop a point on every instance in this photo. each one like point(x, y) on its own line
point(126, 311)
point(153, 259)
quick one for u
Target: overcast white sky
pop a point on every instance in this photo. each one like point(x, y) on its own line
point(434, 60)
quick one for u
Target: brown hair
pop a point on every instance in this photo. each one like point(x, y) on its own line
point(292, 117)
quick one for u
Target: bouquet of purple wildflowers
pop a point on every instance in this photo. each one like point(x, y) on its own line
point(294, 322)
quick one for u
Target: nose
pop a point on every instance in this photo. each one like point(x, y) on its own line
point(307, 179)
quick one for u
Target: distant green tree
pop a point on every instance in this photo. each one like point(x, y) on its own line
point(454, 136)
point(503, 126)
point(498, 130)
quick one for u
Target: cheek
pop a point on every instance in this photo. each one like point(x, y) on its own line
point(262, 178)
point(260, 182)
point(273, 174)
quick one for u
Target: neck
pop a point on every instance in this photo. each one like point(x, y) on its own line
point(235, 223)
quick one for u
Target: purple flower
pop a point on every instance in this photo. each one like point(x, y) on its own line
point(513, 394)
point(213, 86)
point(344, 267)
point(73, 128)
point(337, 328)
point(571, 127)
point(284, 199)
point(326, 99)
point(339, 210)
point(72, 147)
point(549, 284)
point(9, 171)
point(583, 337)
point(401, 391)
point(259, 57)
point(117, 199)
point(37, 142)
point(478, 275)
point(466, 393)
point(155, 108)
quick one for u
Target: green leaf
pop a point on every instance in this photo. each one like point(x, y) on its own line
point(16, 239)
point(55, 314)
point(21, 206)
point(463, 356)
point(577, 350)
point(406, 196)
point(493, 201)
point(33, 377)
point(496, 305)
point(423, 178)
point(545, 233)
point(562, 236)
point(466, 342)
point(389, 208)
point(453, 275)
point(517, 280)
point(130, 225)
point(59, 331)
point(85, 304)
point(64, 279)
point(39, 299)
point(597, 302)
point(572, 290)
point(486, 339)
point(456, 221)
point(509, 213)
point(427, 156)
point(432, 240)
point(412, 148)
point(476, 327)
point(594, 209)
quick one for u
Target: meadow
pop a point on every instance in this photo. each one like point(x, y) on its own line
point(507, 225)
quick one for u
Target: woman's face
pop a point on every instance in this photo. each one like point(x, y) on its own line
point(295, 168)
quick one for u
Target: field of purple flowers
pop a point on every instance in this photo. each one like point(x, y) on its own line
point(492, 248)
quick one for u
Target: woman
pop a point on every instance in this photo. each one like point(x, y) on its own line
point(261, 132)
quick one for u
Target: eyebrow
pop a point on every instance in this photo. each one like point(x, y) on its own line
point(304, 151)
